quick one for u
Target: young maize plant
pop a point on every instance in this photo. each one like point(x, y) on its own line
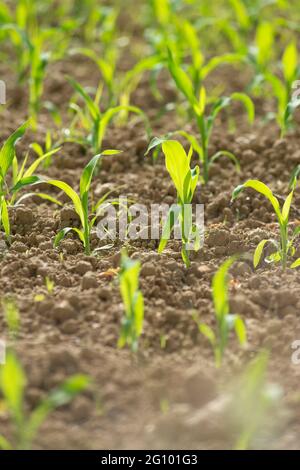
point(259, 55)
point(225, 321)
point(20, 177)
point(25, 426)
point(80, 201)
point(89, 125)
point(35, 47)
point(283, 89)
point(185, 180)
point(205, 120)
point(47, 152)
point(12, 317)
point(285, 247)
point(98, 23)
point(253, 401)
point(181, 37)
point(133, 300)
point(119, 87)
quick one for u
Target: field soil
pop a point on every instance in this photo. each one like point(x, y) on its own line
point(169, 395)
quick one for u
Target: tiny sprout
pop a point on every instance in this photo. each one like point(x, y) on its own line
point(12, 317)
point(80, 201)
point(13, 383)
point(286, 245)
point(205, 120)
point(49, 285)
point(133, 300)
point(225, 321)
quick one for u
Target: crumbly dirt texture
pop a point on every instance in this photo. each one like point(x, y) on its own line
point(170, 396)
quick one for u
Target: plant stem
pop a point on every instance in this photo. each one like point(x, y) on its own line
point(87, 245)
point(283, 242)
point(205, 163)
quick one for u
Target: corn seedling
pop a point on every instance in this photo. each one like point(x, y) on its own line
point(185, 180)
point(20, 177)
point(25, 426)
point(254, 401)
point(225, 321)
point(80, 200)
point(46, 153)
point(7, 156)
point(89, 125)
point(205, 120)
point(35, 47)
point(133, 301)
point(119, 87)
point(286, 245)
point(283, 88)
point(12, 317)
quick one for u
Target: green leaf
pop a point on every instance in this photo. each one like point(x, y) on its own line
point(290, 62)
point(69, 389)
point(193, 141)
point(4, 217)
point(295, 264)
point(264, 40)
point(286, 207)
point(111, 112)
point(220, 289)
point(177, 164)
point(172, 218)
point(139, 313)
point(62, 234)
point(258, 252)
point(28, 181)
point(13, 382)
point(262, 189)
point(202, 101)
point(72, 195)
point(207, 332)
point(294, 177)
point(247, 102)
point(38, 161)
point(220, 60)
point(156, 141)
point(7, 151)
point(183, 82)
point(240, 330)
point(230, 155)
point(44, 196)
point(87, 174)
point(93, 109)
point(241, 13)
point(5, 444)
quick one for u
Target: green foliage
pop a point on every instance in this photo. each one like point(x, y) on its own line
point(12, 316)
point(90, 124)
point(133, 301)
point(205, 120)
point(35, 47)
point(15, 176)
point(185, 180)
point(79, 200)
point(286, 245)
point(254, 400)
point(225, 321)
point(283, 88)
point(13, 385)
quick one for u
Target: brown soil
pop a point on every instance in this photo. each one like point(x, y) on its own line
point(171, 397)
